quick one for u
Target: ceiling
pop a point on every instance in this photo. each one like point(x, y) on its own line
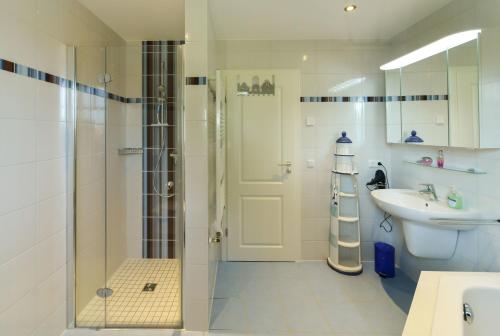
point(138, 20)
point(316, 19)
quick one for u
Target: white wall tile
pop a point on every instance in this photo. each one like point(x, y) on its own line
point(50, 102)
point(17, 278)
point(17, 232)
point(50, 140)
point(51, 176)
point(18, 187)
point(51, 216)
point(20, 318)
point(17, 96)
point(196, 240)
point(17, 141)
point(50, 255)
point(196, 138)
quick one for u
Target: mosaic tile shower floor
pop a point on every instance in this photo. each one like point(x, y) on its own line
point(130, 306)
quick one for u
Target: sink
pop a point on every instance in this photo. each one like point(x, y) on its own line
point(411, 205)
point(430, 228)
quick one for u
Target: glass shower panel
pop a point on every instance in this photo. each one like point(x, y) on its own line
point(90, 207)
point(129, 208)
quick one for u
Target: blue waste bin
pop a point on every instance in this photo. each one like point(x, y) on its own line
point(384, 260)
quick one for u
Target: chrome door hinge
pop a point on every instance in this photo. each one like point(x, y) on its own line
point(104, 78)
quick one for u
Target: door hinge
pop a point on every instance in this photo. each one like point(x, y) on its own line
point(225, 232)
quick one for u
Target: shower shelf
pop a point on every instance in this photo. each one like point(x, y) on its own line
point(130, 151)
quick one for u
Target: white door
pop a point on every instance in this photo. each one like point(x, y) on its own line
point(263, 167)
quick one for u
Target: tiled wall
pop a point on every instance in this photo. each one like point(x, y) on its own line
point(33, 162)
point(479, 249)
point(196, 155)
point(159, 63)
point(329, 69)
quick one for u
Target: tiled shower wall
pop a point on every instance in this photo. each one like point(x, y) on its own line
point(350, 72)
point(160, 142)
point(34, 159)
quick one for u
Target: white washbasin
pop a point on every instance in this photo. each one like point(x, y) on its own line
point(430, 228)
point(481, 291)
point(411, 205)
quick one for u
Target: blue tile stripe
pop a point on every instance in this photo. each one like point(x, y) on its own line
point(371, 99)
point(196, 80)
point(26, 71)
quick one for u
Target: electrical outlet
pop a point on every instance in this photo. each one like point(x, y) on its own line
point(373, 163)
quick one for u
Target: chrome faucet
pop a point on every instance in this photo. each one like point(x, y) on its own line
point(429, 190)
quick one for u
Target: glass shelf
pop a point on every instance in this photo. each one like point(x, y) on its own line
point(452, 168)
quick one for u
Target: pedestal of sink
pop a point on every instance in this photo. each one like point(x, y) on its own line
point(427, 241)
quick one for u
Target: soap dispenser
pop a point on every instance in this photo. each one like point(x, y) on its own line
point(455, 200)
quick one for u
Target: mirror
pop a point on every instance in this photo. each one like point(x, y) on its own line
point(393, 106)
point(437, 96)
point(463, 81)
point(424, 86)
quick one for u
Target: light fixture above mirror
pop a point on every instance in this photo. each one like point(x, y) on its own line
point(432, 49)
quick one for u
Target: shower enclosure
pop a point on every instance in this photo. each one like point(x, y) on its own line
point(128, 209)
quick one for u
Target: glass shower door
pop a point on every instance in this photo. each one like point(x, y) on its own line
point(129, 186)
point(90, 187)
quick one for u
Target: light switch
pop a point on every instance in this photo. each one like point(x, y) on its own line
point(439, 120)
point(311, 163)
point(310, 121)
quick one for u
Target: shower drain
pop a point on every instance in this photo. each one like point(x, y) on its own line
point(149, 287)
point(104, 292)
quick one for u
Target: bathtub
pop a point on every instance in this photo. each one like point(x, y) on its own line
point(475, 295)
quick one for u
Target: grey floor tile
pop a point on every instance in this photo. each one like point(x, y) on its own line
point(228, 314)
point(308, 298)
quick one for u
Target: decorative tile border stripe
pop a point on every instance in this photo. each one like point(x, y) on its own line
point(26, 71)
point(135, 100)
point(160, 46)
point(196, 80)
point(371, 99)
point(354, 99)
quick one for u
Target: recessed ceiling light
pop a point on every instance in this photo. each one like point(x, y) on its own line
point(350, 8)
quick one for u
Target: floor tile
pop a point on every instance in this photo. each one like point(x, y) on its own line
point(129, 305)
point(308, 298)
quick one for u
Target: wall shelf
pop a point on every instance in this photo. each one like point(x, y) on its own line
point(451, 168)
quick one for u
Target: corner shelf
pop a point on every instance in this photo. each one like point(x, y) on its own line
point(348, 244)
point(344, 242)
point(474, 171)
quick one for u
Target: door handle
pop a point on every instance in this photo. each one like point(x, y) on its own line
point(216, 239)
point(288, 165)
